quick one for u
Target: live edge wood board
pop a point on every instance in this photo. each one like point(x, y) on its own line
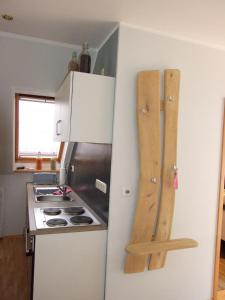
point(156, 194)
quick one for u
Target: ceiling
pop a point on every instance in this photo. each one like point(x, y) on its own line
point(73, 21)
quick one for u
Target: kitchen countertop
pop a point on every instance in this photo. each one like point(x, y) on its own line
point(31, 204)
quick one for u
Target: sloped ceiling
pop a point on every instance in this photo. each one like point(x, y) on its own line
point(73, 21)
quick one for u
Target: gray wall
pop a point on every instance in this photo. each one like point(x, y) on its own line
point(107, 56)
point(28, 65)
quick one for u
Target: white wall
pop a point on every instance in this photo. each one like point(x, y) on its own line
point(33, 65)
point(188, 274)
point(15, 202)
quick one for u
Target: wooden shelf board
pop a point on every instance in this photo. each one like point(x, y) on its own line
point(140, 249)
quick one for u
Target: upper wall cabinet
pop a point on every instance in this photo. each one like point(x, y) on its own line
point(84, 108)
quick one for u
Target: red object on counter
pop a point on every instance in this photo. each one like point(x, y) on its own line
point(68, 190)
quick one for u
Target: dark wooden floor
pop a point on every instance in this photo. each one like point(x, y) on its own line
point(15, 269)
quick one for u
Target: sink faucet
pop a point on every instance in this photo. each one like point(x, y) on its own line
point(63, 189)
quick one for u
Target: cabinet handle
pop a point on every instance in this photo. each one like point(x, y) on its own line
point(57, 127)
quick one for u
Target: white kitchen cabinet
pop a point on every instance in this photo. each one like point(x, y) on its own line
point(62, 109)
point(70, 266)
point(84, 108)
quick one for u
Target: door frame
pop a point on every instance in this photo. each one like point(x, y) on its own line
point(219, 294)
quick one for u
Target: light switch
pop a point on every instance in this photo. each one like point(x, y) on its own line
point(100, 185)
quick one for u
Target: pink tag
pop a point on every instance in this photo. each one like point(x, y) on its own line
point(175, 181)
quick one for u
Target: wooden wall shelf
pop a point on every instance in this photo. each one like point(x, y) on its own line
point(156, 195)
point(155, 247)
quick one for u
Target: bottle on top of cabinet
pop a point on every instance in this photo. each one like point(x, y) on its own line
point(85, 59)
point(73, 64)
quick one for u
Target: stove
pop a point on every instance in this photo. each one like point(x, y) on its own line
point(50, 217)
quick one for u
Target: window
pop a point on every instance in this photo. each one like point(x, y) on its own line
point(34, 121)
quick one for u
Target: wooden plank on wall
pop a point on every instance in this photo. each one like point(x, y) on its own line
point(154, 247)
point(148, 117)
point(166, 209)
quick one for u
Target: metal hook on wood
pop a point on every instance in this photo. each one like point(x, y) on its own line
point(154, 180)
point(170, 98)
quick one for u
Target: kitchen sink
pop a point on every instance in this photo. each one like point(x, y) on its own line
point(45, 190)
point(52, 198)
point(50, 194)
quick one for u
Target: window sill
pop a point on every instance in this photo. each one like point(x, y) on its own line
point(35, 171)
point(31, 168)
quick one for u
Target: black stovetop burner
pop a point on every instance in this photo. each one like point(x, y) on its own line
point(74, 210)
point(52, 211)
point(56, 222)
point(81, 220)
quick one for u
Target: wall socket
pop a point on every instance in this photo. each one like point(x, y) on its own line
point(100, 185)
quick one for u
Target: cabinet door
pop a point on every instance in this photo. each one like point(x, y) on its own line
point(92, 108)
point(70, 266)
point(63, 110)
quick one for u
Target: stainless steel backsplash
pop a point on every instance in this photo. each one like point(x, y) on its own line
point(88, 163)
